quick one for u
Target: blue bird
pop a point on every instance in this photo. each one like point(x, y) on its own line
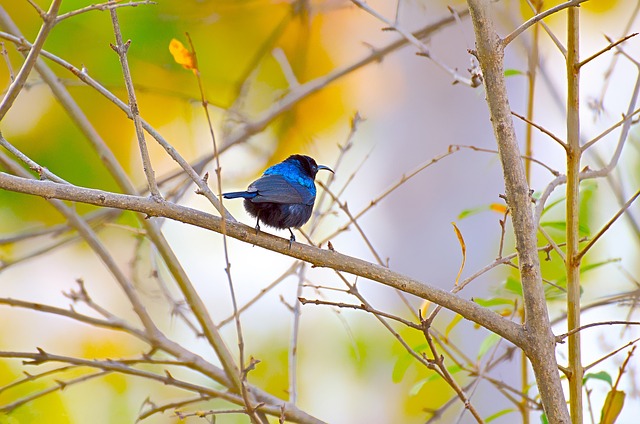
point(283, 196)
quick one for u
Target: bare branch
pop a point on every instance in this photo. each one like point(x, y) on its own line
point(541, 345)
point(542, 129)
point(604, 229)
point(102, 7)
point(121, 49)
point(537, 18)
point(317, 257)
point(560, 338)
point(49, 20)
point(422, 48)
point(606, 49)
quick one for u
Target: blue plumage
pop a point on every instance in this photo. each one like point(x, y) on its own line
point(284, 196)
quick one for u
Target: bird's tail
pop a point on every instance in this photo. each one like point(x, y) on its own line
point(236, 194)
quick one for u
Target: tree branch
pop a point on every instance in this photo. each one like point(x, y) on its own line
point(540, 342)
point(16, 86)
point(313, 255)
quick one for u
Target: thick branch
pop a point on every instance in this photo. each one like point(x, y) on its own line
point(313, 255)
point(78, 116)
point(540, 343)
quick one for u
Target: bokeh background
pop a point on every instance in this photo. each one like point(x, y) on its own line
point(351, 369)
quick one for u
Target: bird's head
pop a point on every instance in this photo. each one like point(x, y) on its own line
point(307, 164)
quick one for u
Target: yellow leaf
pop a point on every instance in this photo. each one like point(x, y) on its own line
point(424, 308)
point(464, 250)
point(498, 207)
point(612, 406)
point(456, 319)
point(182, 56)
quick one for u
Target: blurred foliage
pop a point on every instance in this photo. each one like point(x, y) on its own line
point(594, 6)
point(553, 269)
point(50, 408)
point(427, 391)
point(235, 44)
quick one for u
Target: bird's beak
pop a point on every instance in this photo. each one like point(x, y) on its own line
point(325, 167)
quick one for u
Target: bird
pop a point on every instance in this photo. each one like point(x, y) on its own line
point(284, 195)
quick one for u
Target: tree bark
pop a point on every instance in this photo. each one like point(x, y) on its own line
point(539, 339)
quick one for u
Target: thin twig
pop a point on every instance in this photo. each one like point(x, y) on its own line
point(550, 33)
point(49, 20)
point(422, 48)
point(99, 144)
point(599, 101)
point(606, 49)
point(59, 386)
point(610, 354)
point(560, 338)
point(604, 229)
point(352, 220)
point(239, 380)
point(155, 409)
point(34, 377)
point(5, 55)
point(542, 129)
point(42, 357)
point(606, 132)
point(290, 271)
point(624, 132)
point(99, 248)
point(295, 335)
point(403, 179)
point(438, 360)
point(121, 48)
point(537, 18)
point(102, 7)
point(361, 307)
point(529, 158)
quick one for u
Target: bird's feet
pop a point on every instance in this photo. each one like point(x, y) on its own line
point(292, 238)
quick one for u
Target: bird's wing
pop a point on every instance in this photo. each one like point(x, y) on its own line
point(276, 189)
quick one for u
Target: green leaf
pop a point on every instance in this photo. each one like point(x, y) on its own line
point(562, 280)
point(452, 324)
point(549, 206)
point(583, 229)
point(496, 301)
point(498, 415)
point(587, 188)
point(544, 419)
point(453, 369)
point(415, 389)
point(592, 266)
point(514, 286)
point(400, 368)
point(404, 361)
point(512, 72)
point(491, 340)
point(473, 211)
point(556, 225)
point(602, 375)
